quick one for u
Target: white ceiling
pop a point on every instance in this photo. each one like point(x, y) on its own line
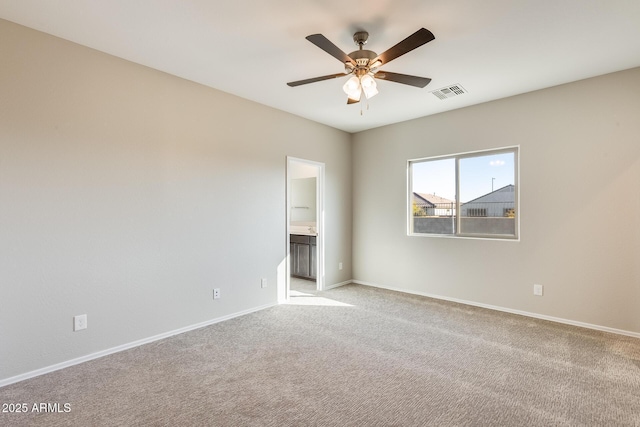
point(252, 48)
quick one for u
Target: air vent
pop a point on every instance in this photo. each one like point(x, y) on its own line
point(449, 91)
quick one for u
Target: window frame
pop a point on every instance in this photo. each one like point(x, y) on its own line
point(515, 149)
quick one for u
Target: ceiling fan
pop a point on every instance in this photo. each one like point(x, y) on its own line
point(363, 65)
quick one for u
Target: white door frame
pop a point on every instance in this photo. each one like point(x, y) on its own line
point(283, 294)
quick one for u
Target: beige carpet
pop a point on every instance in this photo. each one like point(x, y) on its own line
point(353, 356)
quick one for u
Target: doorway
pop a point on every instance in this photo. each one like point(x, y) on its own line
point(305, 226)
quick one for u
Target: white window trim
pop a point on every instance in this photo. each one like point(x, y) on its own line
point(457, 157)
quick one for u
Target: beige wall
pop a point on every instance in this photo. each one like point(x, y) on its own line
point(129, 194)
point(580, 205)
point(124, 195)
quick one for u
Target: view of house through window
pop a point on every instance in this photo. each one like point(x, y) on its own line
point(470, 194)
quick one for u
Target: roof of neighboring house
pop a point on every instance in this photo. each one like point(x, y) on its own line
point(504, 194)
point(430, 200)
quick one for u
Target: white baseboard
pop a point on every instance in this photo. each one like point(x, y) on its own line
point(337, 285)
point(507, 310)
point(76, 361)
point(92, 356)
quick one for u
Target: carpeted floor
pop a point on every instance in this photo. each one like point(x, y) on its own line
point(353, 356)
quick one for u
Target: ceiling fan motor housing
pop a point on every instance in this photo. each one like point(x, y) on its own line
point(362, 58)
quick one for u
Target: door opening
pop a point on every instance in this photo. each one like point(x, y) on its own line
point(305, 226)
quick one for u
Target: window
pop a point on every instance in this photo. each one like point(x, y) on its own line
point(465, 195)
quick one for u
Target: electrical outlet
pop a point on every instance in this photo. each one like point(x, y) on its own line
point(79, 322)
point(339, 266)
point(538, 290)
point(263, 283)
point(216, 293)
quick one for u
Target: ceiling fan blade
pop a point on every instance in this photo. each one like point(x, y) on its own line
point(402, 78)
point(315, 79)
point(323, 43)
point(415, 40)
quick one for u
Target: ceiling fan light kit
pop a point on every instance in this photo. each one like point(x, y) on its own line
point(369, 86)
point(364, 65)
point(353, 88)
